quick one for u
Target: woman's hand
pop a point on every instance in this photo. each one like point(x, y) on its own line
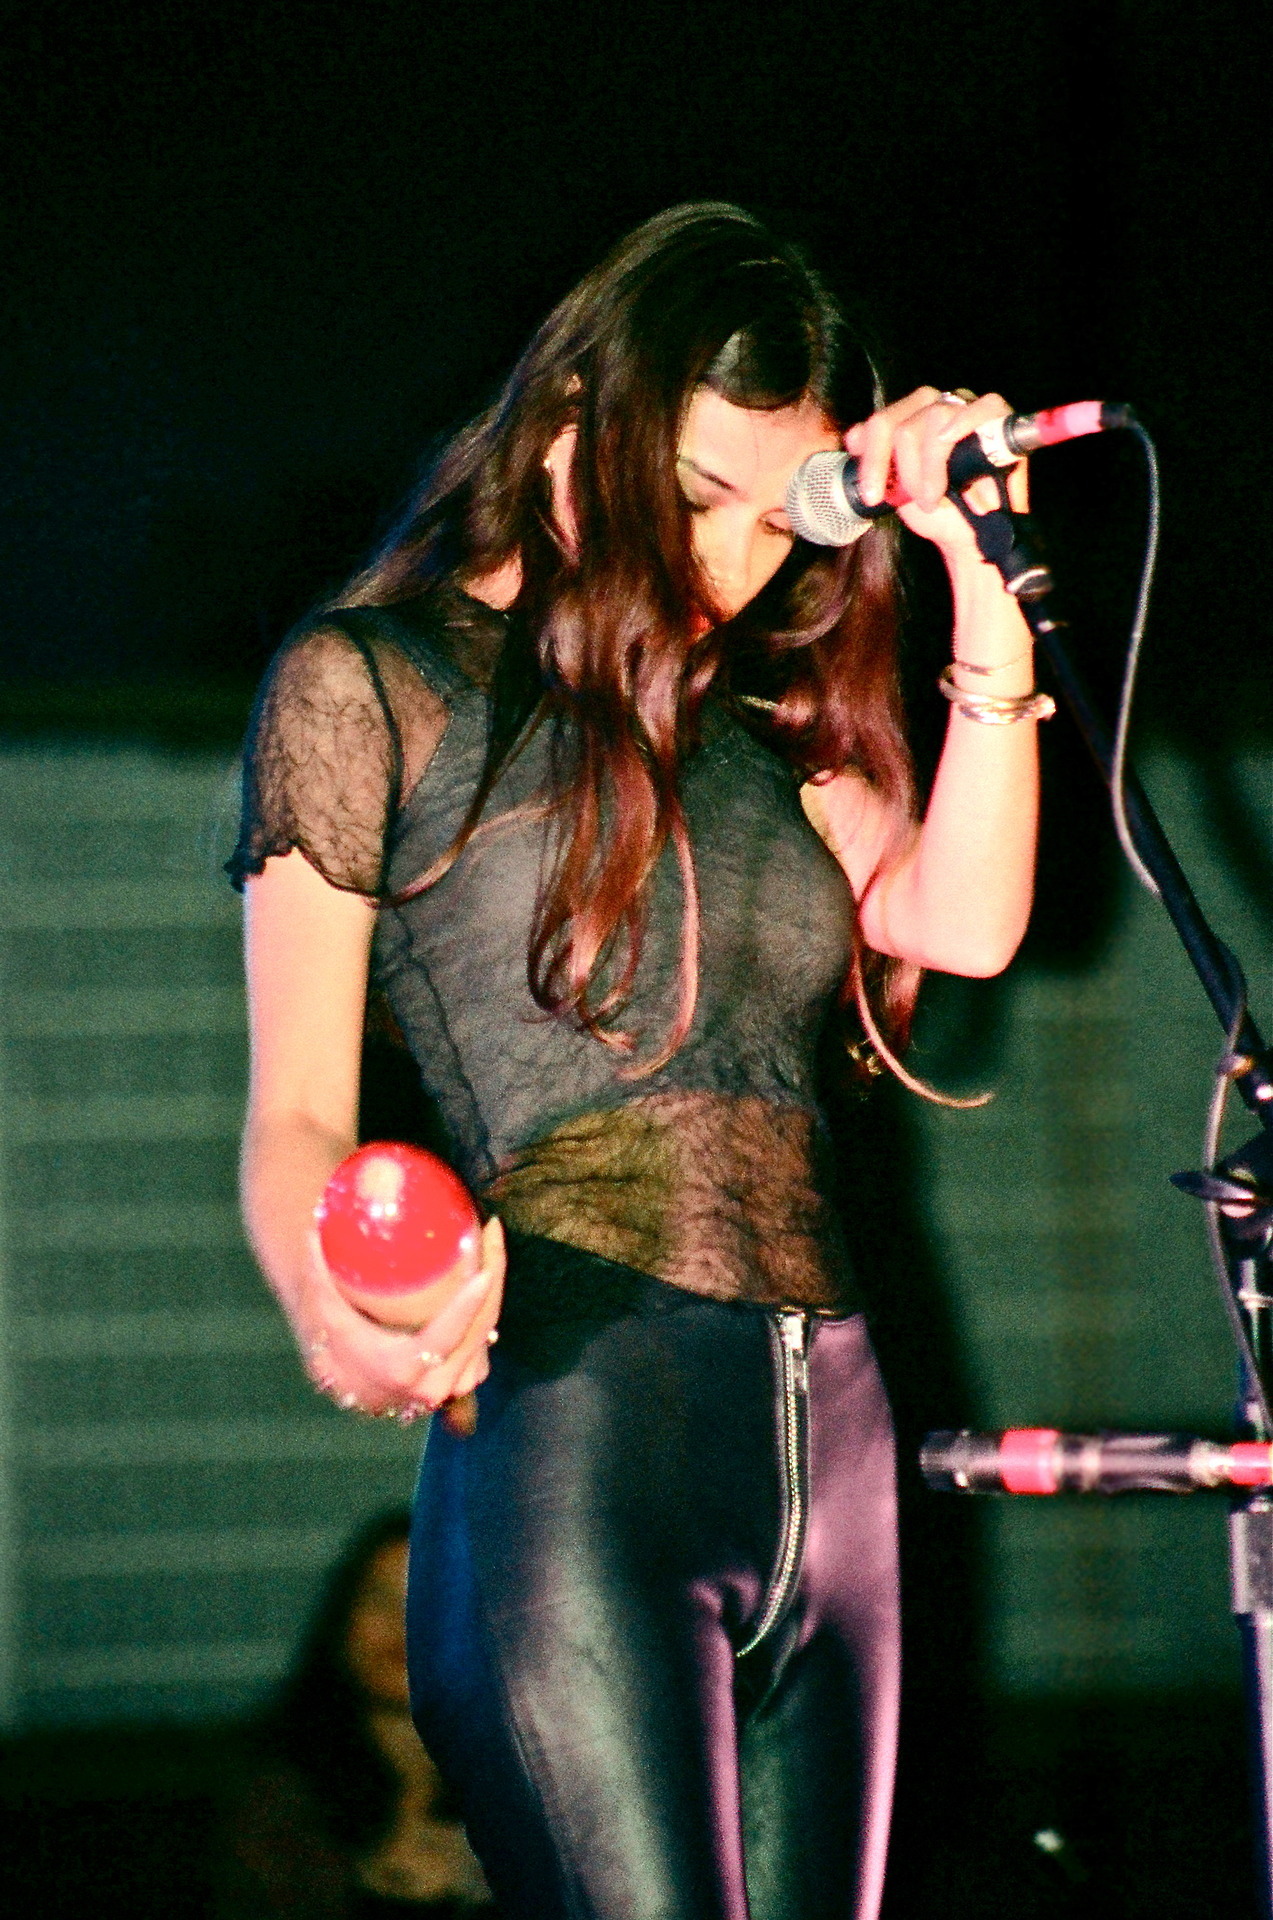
point(915, 436)
point(382, 1370)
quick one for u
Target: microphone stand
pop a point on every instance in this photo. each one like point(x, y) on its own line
point(1240, 1190)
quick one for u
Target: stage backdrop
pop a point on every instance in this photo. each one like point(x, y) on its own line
point(171, 1488)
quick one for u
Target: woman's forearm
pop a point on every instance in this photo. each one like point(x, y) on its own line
point(306, 947)
point(287, 1159)
point(959, 899)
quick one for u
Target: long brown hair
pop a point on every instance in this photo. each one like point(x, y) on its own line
point(603, 640)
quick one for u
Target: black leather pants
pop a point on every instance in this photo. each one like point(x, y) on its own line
point(653, 1620)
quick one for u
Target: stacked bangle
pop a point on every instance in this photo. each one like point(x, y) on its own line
point(996, 710)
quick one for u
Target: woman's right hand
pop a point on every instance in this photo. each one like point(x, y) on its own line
point(376, 1369)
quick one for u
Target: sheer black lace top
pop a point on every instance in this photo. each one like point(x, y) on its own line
point(365, 750)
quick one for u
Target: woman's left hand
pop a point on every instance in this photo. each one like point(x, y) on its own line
point(915, 436)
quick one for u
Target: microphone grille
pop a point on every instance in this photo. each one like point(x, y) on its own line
point(816, 505)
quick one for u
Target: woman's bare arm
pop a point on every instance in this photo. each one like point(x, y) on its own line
point(954, 892)
point(307, 945)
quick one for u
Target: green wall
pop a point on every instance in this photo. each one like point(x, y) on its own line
point(1077, 1278)
point(170, 1489)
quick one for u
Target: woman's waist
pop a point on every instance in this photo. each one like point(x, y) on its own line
point(722, 1196)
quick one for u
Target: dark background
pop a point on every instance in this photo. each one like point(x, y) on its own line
point(256, 258)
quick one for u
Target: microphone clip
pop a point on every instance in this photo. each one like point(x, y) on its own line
point(1007, 540)
point(1241, 1185)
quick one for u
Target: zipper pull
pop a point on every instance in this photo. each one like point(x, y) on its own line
point(793, 1338)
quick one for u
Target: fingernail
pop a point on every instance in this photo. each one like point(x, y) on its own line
point(348, 1401)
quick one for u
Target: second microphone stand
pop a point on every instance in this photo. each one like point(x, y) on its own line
point(1239, 1191)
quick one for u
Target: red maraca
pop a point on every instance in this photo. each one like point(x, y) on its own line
point(399, 1232)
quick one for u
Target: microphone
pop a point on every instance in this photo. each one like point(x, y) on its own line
point(825, 507)
point(1041, 1460)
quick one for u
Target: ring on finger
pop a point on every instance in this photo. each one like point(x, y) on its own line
point(957, 397)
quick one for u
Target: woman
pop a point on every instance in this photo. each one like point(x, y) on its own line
point(607, 768)
point(343, 1815)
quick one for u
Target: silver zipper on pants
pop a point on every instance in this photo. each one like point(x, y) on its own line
point(789, 1338)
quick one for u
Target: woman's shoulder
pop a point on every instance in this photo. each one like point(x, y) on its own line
point(399, 673)
point(347, 723)
point(449, 639)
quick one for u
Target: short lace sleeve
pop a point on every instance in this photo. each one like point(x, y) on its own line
point(343, 727)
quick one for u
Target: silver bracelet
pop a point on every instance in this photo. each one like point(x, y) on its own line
point(996, 710)
point(971, 666)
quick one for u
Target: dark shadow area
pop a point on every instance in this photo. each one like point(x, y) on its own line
point(208, 718)
point(246, 569)
point(256, 268)
point(113, 1822)
point(1240, 836)
point(1128, 1808)
point(1146, 1795)
point(1080, 880)
point(392, 1102)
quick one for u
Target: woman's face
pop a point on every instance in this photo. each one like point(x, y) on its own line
point(376, 1649)
point(733, 466)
